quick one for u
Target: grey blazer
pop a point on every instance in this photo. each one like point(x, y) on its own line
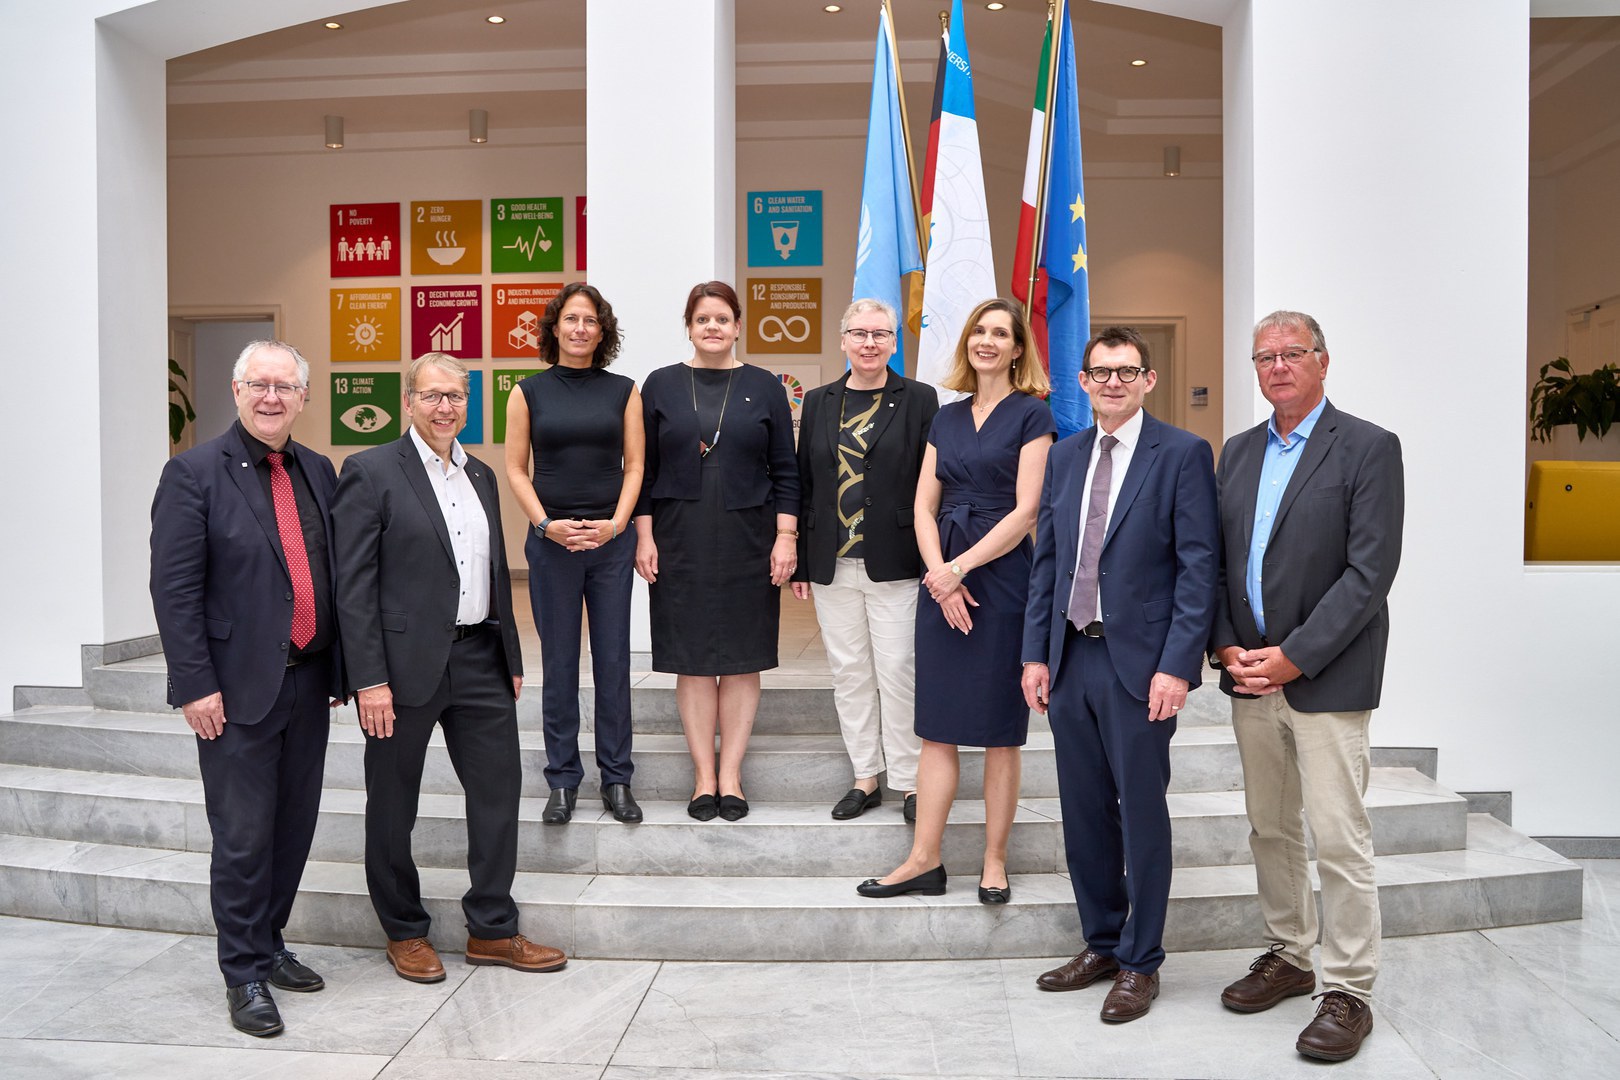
point(1335, 546)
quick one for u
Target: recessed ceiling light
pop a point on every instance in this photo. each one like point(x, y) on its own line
point(496, 19)
point(832, 9)
point(1138, 63)
point(334, 25)
point(994, 7)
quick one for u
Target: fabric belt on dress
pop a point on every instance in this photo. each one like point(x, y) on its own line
point(965, 503)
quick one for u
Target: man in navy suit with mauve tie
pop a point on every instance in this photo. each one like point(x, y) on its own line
point(242, 588)
point(1121, 599)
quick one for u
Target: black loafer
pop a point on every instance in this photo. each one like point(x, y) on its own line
point(909, 808)
point(559, 806)
point(617, 798)
point(286, 973)
point(927, 883)
point(856, 802)
point(253, 1010)
point(733, 808)
point(704, 808)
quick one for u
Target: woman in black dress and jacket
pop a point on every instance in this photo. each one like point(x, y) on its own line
point(716, 533)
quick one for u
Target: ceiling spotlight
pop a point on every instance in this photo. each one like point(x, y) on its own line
point(334, 25)
point(1138, 63)
point(477, 126)
point(1172, 161)
point(832, 9)
point(496, 20)
point(994, 7)
point(334, 132)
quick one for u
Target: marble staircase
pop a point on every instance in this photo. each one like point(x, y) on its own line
point(101, 821)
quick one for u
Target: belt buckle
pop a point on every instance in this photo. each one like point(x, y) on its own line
point(1093, 629)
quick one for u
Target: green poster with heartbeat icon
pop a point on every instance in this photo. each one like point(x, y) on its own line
point(526, 235)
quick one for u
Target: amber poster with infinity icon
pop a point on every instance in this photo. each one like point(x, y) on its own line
point(447, 237)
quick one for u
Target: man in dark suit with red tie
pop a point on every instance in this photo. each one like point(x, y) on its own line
point(242, 588)
point(1121, 598)
point(429, 639)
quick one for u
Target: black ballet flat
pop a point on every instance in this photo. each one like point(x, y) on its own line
point(927, 883)
point(733, 808)
point(988, 895)
point(704, 808)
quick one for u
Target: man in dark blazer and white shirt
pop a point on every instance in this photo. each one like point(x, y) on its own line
point(242, 589)
point(1312, 502)
point(1121, 597)
point(426, 601)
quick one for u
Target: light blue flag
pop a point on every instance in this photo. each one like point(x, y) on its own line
point(1068, 292)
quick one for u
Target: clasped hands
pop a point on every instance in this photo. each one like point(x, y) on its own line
point(946, 587)
point(580, 534)
point(1257, 671)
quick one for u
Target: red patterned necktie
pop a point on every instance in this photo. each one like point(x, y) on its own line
point(292, 544)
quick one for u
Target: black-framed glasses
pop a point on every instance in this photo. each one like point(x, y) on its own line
point(431, 398)
point(1291, 357)
point(877, 337)
point(1126, 374)
point(273, 389)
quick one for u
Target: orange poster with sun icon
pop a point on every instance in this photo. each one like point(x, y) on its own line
point(365, 325)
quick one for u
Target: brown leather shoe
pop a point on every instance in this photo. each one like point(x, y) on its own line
point(415, 959)
point(517, 952)
point(1342, 1022)
point(1270, 979)
point(1132, 996)
point(1078, 973)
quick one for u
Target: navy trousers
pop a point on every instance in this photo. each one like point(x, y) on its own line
point(262, 791)
point(561, 584)
point(1113, 771)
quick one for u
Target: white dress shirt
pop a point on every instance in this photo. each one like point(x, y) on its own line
point(1129, 434)
point(464, 516)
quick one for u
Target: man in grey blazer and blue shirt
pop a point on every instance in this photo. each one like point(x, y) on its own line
point(1311, 510)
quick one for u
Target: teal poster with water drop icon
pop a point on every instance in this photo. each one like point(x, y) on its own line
point(784, 228)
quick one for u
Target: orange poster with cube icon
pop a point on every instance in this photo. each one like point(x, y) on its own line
point(515, 318)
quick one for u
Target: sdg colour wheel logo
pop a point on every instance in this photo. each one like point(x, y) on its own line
point(794, 389)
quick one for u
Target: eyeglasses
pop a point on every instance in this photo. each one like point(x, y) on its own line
point(1291, 357)
point(431, 398)
point(877, 337)
point(1101, 375)
point(272, 389)
point(589, 322)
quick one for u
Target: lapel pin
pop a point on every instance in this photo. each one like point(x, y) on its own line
point(244, 464)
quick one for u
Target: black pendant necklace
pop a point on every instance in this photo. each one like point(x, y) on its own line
point(705, 447)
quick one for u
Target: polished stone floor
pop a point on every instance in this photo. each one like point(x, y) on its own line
point(85, 1001)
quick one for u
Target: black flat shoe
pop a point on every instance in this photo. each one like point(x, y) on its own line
point(559, 806)
point(253, 1010)
point(704, 808)
point(988, 895)
point(617, 798)
point(927, 883)
point(909, 808)
point(733, 808)
point(286, 973)
point(856, 802)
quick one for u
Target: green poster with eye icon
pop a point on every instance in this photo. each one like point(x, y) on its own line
point(366, 409)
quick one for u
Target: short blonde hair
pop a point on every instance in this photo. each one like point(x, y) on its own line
point(1027, 373)
point(442, 361)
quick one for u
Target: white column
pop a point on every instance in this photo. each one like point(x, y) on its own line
point(660, 135)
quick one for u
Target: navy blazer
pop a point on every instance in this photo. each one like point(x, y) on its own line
point(220, 586)
point(398, 588)
point(894, 458)
point(1335, 546)
point(1158, 568)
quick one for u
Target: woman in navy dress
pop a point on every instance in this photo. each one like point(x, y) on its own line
point(976, 503)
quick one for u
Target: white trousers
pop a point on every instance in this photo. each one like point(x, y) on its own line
point(1316, 764)
point(869, 630)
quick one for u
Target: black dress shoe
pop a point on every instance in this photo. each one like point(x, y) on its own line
point(704, 808)
point(909, 808)
point(856, 802)
point(559, 806)
point(617, 798)
point(927, 883)
point(988, 895)
point(733, 808)
point(253, 1010)
point(286, 973)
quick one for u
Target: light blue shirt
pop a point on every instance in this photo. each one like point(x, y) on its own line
point(1282, 457)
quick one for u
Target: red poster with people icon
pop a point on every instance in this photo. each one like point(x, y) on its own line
point(364, 239)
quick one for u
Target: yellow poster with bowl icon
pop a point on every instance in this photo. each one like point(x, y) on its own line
point(365, 325)
point(447, 237)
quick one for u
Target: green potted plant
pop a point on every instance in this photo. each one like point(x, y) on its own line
point(1591, 402)
point(180, 412)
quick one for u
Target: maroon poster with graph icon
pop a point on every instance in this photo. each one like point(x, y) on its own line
point(364, 239)
point(447, 319)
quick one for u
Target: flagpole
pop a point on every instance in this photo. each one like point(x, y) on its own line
point(1054, 10)
point(905, 128)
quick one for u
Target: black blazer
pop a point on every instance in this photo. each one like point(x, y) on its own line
point(893, 460)
point(220, 586)
point(397, 588)
point(755, 447)
point(1335, 546)
point(1157, 568)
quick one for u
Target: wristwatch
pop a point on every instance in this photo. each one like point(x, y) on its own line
point(545, 523)
point(956, 568)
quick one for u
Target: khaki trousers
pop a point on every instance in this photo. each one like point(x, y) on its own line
point(1315, 763)
point(869, 630)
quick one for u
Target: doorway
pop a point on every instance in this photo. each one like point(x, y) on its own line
point(206, 346)
point(1164, 335)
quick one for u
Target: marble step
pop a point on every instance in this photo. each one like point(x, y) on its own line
point(1410, 813)
point(793, 768)
point(1500, 879)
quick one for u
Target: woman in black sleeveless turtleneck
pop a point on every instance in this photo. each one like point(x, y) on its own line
point(585, 446)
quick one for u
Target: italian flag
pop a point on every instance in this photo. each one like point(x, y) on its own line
point(1024, 252)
